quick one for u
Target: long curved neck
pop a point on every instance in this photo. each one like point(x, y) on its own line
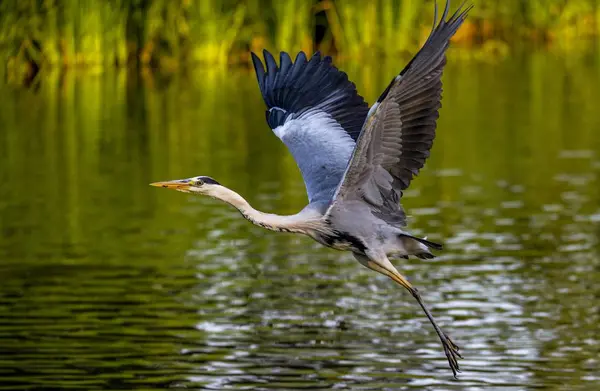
point(300, 222)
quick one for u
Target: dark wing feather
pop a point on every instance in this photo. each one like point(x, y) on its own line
point(418, 91)
point(317, 113)
point(296, 87)
point(399, 131)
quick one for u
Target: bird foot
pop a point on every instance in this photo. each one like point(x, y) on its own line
point(452, 353)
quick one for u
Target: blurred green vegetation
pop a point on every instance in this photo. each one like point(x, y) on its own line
point(169, 34)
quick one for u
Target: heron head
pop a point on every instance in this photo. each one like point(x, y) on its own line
point(198, 185)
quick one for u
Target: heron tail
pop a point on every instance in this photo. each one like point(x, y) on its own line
point(433, 245)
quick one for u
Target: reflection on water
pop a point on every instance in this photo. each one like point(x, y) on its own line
point(108, 283)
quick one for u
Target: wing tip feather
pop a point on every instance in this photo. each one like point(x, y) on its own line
point(259, 69)
point(308, 82)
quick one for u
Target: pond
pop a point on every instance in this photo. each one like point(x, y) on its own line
point(108, 283)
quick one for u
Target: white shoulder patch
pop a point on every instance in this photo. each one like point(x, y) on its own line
point(315, 124)
point(372, 109)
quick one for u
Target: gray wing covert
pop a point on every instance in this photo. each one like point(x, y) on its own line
point(317, 113)
point(399, 131)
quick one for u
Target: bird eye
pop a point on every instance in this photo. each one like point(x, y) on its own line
point(199, 182)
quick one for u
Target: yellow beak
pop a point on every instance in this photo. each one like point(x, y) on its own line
point(181, 185)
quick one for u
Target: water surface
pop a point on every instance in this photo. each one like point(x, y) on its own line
point(110, 284)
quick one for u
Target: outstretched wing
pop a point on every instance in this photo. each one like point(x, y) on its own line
point(400, 128)
point(317, 113)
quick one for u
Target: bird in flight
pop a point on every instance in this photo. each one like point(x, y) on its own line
point(355, 161)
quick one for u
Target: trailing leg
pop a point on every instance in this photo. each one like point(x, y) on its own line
point(384, 266)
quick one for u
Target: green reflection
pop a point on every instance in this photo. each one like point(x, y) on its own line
point(110, 283)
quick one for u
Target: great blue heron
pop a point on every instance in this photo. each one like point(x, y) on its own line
point(355, 161)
